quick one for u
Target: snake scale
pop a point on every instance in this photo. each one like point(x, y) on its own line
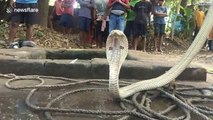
point(117, 50)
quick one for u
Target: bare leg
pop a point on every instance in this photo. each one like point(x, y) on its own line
point(69, 30)
point(29, 32)
point(50, 22)
point(144, 44)
point(99, 42)
point(132, 44)
point(156, 43)
point(160, 43)
point(12, 32)
point(135, 43)
point(64, 30)
point(83, 37)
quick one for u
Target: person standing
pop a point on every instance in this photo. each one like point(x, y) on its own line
point(85, 19)
point(67, 16)
point(118, 10)
point(199, 18)
point(130, 23)
point(56, 13)
point(160, 12)
point(101, 22)
point(24, 11)
point(142, 9)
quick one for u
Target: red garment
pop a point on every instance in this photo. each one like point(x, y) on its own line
point(68, 6)
point(111, 1)
point(58, 8)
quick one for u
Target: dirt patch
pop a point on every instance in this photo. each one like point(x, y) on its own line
point(47, 38)
point(43, 37)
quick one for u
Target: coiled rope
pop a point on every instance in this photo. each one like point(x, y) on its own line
point(136, 106)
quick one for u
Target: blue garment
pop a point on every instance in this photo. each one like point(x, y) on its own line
point(66, 20)
point(84, 23)
point(116, 22)
point(159, 29)
point(85, 8)
point(158, 19)
point(26, 1)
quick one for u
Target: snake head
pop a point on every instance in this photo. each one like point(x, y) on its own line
point(116, 40)
point(116, 45)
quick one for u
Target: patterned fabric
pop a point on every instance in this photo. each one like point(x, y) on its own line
point(59, 10)
point(68, 7)
point(158, 19)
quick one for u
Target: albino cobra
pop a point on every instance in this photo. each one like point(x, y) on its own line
point(117, 50)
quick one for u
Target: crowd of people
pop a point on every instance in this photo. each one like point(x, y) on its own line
point(130, 16)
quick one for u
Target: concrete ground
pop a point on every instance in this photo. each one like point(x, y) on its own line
point(27, 61)
point(92, 64)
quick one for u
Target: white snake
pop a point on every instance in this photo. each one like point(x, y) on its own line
point(117, 50)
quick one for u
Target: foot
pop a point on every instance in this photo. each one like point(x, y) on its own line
point(144, 50)
point(160, 50)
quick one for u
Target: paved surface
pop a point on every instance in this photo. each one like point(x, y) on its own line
point(12, 102)
point(92, 64)
point(12, 105)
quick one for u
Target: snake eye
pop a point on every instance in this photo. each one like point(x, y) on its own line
point(121, 47)
point(110, 48)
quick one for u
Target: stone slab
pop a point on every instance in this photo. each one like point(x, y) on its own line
point(94, 69)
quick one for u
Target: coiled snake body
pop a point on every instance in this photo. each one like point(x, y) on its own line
point(117, 50)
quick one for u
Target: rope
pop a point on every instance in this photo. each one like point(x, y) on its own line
point(139, 106)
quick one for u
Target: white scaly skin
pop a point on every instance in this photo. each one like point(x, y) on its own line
point(116, 53)
point(116, 57)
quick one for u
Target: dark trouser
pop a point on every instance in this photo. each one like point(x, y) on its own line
point(196, 31)
point(210, 44)
point(104, 34)
point(24, 13)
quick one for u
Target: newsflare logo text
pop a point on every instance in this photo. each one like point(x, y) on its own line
point(33, 10)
